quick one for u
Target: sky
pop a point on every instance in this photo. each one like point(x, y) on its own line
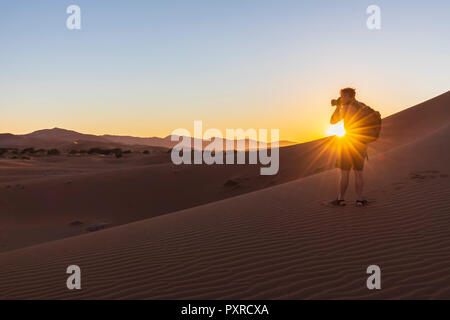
point(146, 68)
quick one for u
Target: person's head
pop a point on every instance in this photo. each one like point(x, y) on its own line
point(347, 95)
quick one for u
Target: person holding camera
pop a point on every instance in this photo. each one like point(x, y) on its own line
point(362, 125)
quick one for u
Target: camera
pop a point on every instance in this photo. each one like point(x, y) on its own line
point(336, 102)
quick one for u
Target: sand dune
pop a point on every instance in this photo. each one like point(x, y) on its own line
point(40, 199)
point(280, 242)
point(31, 200)
point(413, 123)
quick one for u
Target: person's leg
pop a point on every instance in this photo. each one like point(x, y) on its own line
point(343, 183)
point(359, 184)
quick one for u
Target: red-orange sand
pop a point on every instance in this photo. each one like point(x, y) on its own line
point(180, 233)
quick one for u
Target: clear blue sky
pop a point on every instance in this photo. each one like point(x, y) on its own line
point(148, 67)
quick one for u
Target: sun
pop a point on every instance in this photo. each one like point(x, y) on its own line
point(336, 129)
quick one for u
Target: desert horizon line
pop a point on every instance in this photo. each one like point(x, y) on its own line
point(142, 137)
point(292, 141)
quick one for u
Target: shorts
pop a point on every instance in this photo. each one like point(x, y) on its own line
point(351, 156)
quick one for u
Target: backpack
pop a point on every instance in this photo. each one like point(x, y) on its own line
point(369, 123)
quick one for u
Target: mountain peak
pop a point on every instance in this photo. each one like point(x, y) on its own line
point(53, 130)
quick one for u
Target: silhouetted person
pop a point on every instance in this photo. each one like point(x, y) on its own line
point(352, 148)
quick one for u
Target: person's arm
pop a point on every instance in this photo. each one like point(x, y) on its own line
point(337, 115)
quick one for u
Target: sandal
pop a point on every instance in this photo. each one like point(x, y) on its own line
point(338, 202)
point(362, 203)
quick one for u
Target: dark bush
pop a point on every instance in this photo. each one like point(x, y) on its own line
point(28, 150)
point(116, 151)
point(53, 152)
point(94, 150)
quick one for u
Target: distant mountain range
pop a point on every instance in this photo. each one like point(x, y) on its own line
point(395, 131)
point(69, 139)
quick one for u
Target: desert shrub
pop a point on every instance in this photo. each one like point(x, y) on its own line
point(116, 151)
point(28, 150)
point(24, 150)
point(73, 151)
point(53, 152)
point(40, 152)
point(145, 152)
point(127, 152)
point(94, 150)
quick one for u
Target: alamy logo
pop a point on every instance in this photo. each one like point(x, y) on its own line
point(74, 280)
point(374, 20)
point(237, 143)
point(73, 22)
point(374, 281)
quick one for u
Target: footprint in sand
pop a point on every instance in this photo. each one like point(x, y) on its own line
point(426, 174)
point(416, 176)
point(76, 223)
point(97, 226)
